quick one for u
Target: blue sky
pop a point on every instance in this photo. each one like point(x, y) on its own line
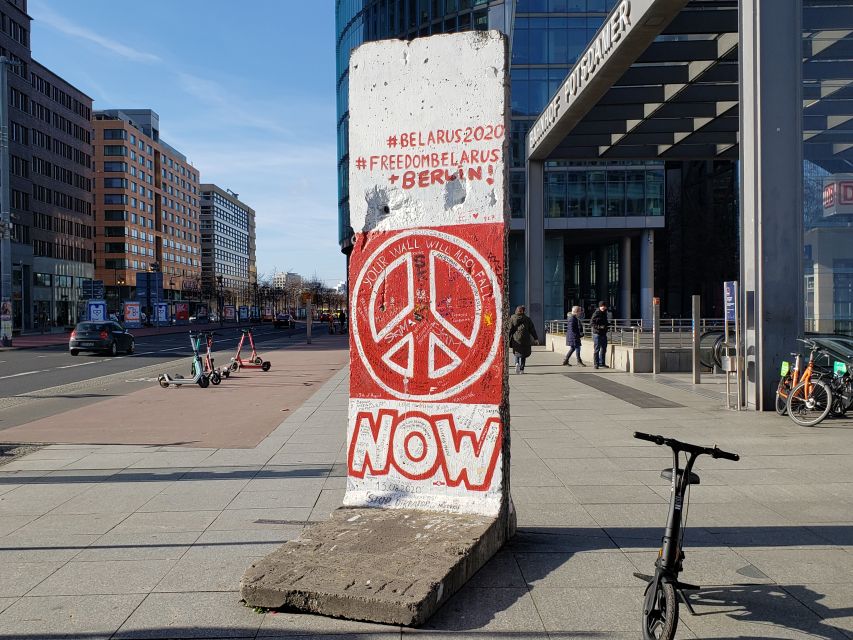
point(246, 90)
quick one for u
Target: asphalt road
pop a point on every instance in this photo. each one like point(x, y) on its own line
point(35, 383)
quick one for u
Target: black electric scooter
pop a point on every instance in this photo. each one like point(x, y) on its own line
point(660, 605)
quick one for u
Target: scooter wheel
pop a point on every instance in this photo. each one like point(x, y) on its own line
point(204, 382)
point(266, 366)
point(258, 360)
point(163, 382)
point(234, 366)
point(214, 378)
point(226, 373)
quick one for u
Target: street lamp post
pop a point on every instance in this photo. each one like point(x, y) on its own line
point(257, 301)
point(221, 309)
point(5, 215)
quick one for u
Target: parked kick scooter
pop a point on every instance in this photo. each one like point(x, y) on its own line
point(660, 605)
point(215, 374)
point(199, 376)
point(254, 361)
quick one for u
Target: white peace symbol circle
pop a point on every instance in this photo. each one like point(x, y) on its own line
point(498, 308)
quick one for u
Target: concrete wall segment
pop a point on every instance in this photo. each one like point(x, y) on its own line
point(437, 145)
point(428, 424)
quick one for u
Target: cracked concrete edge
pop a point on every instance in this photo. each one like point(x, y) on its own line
point(329, 602)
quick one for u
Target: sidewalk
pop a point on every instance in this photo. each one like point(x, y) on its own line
point(150, 542)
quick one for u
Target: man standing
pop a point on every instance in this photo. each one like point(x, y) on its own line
point(600, 327)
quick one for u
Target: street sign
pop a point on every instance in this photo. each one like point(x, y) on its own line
point(98, 289)
point(132, 317)
point(730, 299)
point(96, 310)
point(182, 313)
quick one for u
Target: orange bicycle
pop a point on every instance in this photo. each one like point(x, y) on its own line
point(792, 377)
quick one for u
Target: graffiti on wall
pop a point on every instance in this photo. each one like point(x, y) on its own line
point(427, 368)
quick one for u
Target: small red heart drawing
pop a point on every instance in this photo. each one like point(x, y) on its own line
point(490, 181)
point(476, 215)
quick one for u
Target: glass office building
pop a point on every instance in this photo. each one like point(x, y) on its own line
point(598, 214)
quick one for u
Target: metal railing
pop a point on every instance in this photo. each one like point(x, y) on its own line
point(675, 333)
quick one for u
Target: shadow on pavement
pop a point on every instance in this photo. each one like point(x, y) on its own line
point(171, 475)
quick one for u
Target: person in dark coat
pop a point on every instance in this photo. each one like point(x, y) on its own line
point(522, 337)
point(600, 326)
point(574, 331)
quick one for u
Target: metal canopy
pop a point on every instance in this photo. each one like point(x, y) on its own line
point(679, 98)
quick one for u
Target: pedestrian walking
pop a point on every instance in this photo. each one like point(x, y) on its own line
point(522, 337)
point(600, 326)
point(574, 331)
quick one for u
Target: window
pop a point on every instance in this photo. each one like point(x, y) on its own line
point(115, 134)
point(115, 166)
point(115, 198)
point(115, 183)
point(115, 150)
point(115, 216)
point(42, 279)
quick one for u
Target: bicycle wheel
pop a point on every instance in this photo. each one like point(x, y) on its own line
point(782, 393)
point(808, 406)
point(660, 618)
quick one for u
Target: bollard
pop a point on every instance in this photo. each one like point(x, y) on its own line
point(697, 320)
point(656, 335)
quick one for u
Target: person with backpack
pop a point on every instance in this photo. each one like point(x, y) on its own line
point(574, 331)
point(522, 337)
point(600, 326)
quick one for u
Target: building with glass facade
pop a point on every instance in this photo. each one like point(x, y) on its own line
point(600, 216)
point(662, 147)
point(228, 245)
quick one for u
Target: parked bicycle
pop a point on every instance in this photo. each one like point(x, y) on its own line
point(792, 377)
point(812, 400)
point(664, 589)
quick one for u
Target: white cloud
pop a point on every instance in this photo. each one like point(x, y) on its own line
point(52, 19)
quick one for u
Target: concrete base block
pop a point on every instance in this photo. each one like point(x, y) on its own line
point(391, 566)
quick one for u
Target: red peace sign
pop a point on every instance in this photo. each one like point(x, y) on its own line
point(427, 315)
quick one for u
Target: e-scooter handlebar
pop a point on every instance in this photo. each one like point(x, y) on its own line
point(714, 452)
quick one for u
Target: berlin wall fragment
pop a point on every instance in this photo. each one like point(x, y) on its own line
point(427, 499)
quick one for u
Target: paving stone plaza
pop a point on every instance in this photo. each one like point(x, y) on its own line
point(151, 542)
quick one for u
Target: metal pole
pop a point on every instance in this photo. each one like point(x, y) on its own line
point(728, 350)
point(308, 319)
point(656, 335)
point(5, 217)
point(739, 359)
point(697, 321)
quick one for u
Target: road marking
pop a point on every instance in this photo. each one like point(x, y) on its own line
point(79, 364)
point(24, 373)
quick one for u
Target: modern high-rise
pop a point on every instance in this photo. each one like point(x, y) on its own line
point(50, 158)
point(228, 246)
point(677, 145)
point(147, 208)
point(600, 215)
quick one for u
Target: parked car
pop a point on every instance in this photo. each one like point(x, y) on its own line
point(283, 320)
point(100, 337)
